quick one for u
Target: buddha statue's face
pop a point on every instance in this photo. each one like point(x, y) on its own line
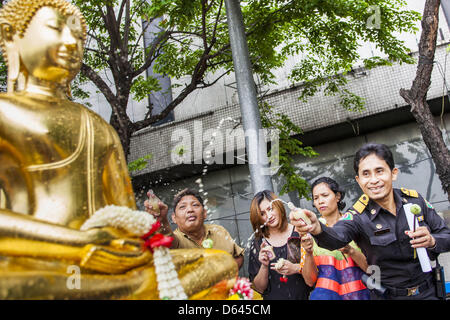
point(52, 46)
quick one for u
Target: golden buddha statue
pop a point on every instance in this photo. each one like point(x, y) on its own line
point(59, 164)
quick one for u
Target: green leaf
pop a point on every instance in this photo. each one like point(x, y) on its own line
point(142, 87)
point(139, 164)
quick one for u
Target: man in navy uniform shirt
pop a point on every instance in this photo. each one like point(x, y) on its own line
point(377, 223)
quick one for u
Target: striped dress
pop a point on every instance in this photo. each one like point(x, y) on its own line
point(337, 279)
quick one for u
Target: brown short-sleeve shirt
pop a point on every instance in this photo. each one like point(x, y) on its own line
point(219, 235)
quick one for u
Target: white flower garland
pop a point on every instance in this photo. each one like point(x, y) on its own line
point(139, 223)
point(133, 221)
point(169, 285)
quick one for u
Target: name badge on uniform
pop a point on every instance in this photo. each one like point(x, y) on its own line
point(380, 232)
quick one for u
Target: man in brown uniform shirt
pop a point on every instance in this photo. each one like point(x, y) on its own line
point(189, 215)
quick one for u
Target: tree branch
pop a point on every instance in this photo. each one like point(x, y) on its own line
point(100, 53)
point(162, 37)
point(205, 42)
point(149, 22)
point(171, 106)
point(126, 30)
point(217, 19)
point(113, 29)
point(122, 5)
point(206, 85)
point(101, 84)
point(416, 97)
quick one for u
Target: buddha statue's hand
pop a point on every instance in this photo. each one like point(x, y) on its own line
point(113, 251)
point(128, 244)
point(103, 236)
point(112, 260)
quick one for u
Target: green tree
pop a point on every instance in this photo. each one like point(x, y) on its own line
point(416, 96)
point(194, 42)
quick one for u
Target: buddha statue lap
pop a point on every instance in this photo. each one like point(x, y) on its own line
point(59, 164)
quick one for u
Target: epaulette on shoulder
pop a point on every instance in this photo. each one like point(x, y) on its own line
point(410, 192)
point(361, 204)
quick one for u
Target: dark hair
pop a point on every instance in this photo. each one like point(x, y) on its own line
point(256, 217)
point(380, 150)
point(334, 186)
point(186, 192)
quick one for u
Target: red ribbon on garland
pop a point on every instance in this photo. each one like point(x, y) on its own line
point(156, 240)
point(154, 227)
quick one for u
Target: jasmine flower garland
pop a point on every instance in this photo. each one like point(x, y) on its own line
point(139, 223)
point(133, 221)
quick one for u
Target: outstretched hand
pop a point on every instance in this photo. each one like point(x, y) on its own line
point(163, 208)
point(302, 228)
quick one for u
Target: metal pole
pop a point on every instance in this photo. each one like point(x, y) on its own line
point(258, 160)
point(445, 4)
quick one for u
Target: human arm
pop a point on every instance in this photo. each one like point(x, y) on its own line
point(262, 278)
point(332, 238)
point(356, 255)
point(314, 228)
point(435, 236)
point(258, 267)
point(309, 271)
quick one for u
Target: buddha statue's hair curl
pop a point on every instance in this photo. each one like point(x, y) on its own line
point(18, 13)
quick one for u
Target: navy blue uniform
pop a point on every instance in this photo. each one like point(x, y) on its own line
point(381, 237)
